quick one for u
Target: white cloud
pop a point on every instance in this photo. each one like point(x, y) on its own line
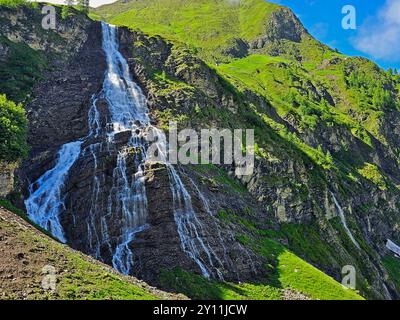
point(379, 36)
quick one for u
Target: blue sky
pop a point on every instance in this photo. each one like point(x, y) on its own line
point(377, 36)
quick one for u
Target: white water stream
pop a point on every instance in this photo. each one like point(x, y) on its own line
point(47, 199)
point(344, 222)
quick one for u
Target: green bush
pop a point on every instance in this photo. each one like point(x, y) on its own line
point(13, 131)
point(13, 3)
point(65, 12)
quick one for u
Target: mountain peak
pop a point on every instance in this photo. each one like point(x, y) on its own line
point(219, 29)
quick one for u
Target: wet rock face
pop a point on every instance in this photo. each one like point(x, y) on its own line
point(159, 247)
point(92, 217)
point(90, 226)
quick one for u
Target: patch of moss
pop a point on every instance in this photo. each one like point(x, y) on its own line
point(22, 69)
point(392, 266)
point(372, 173)
point(198, 287)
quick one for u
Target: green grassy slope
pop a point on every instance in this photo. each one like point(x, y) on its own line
point(26, 251)
point(286, 274)
point(283, 73)
point(207, 26)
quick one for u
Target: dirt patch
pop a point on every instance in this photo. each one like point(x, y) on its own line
point(29, 259)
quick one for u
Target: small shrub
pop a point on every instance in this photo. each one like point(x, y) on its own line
point(13, 130)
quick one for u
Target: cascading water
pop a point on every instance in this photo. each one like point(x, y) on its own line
point(344, 223)
point(126, 102)
point(207, 208)
point(46, 200)
point(127, 106)
point(127, 200)
point(188, 225)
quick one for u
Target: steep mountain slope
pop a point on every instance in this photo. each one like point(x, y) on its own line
point(326, 124)
point(73, 79)
point(27, 257)
point(216, 28)
point(302, 203)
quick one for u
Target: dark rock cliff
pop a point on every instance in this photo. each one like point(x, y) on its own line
point(58, 114)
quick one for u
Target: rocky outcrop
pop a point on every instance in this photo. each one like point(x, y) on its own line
point(236, 48)
point(25, 26)
point(282, 25)
point(6, 178)
point(149, 55)
point(239, 264)
point(75, 70)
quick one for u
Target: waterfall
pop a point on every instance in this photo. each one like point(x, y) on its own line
point(123, 257)
point(46, 199)
point(94, 119)
point(125, 99)
point(344, 223)
point(92, 235)
point(189, 227)
point(127, 106)
point(126, 204)
point(207, 208)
